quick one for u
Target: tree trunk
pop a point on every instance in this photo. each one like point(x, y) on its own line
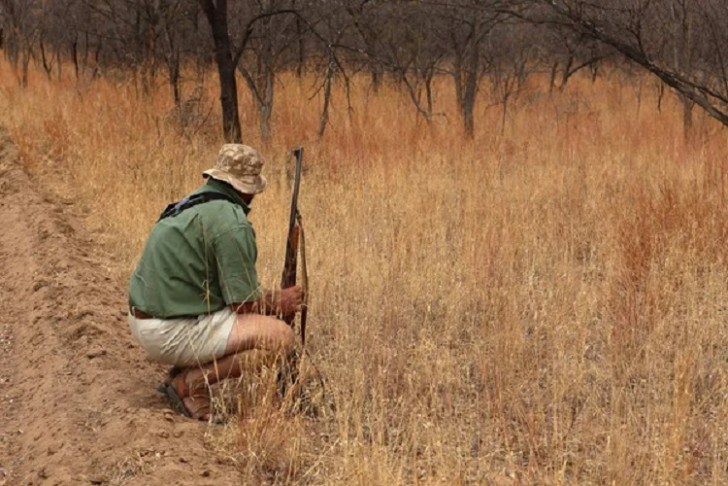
point(74, 56)
point(467, 112)
point(47, 63)
point(174, 79)
point(97, 61)
point(26, 53)
point(324, 120)
point(173, 66)
point(300, 53)
point(552, 77)
point(261, 85)
point(12, 53)
point(687, 107)
point(217, 18)
point(471, 89)
point(594, 70)
point(173, 58)
point(267, 111)
point(85, 52)
point(458, 77)
point(59, 63)
point(660, 95)
point(682, 59)
point(428, 91)
point(376, 75)
point(566, 74)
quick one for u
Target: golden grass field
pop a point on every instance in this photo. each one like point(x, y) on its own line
point(545, 305)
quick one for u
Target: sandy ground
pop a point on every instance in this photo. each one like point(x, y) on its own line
point(77, 398)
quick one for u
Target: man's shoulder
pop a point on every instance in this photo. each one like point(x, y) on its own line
point(214, 213)
point(220, 216)
point(222, 210)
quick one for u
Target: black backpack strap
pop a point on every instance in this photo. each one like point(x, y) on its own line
point(176, 208)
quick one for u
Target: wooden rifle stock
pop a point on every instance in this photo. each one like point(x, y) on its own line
point(290, 266)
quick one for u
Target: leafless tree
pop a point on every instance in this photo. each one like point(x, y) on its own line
point(369, 21)
point(412, 51)
point(21, 27)
point(464, 27)
point(231, 41)
point(271, 31)
point(513, 55)
point(680, 42)
point(568, 53)
point(333, 38)
point(52, 35)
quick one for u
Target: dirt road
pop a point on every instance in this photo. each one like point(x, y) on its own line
point(77, 399)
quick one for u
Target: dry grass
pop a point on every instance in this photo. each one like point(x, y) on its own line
point(545, 306)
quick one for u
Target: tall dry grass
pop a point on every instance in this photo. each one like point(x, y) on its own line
point(545, 305)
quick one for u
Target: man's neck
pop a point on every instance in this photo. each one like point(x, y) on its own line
point(245, 200)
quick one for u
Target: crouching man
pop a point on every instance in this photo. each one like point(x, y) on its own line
point(194, 298)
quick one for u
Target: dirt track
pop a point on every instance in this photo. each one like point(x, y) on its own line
point(77, 398)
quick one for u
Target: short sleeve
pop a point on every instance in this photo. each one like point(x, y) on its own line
point(235, 254)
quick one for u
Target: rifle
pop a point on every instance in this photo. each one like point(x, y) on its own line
point(296, 236)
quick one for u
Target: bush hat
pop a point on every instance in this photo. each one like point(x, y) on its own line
point(239, 166)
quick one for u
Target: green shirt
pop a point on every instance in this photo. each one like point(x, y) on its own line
point(198, 261)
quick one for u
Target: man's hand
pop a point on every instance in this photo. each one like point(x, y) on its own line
point(290, 300)
point(274, 302)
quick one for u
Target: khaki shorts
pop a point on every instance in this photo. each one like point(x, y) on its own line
point(186, 341)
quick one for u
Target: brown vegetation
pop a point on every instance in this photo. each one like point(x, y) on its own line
point(542, 304)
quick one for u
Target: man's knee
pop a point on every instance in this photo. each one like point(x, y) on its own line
point(266, 332)
point(279, 335)
point(285, 337)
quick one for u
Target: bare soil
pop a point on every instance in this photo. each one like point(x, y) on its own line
point(77, 398)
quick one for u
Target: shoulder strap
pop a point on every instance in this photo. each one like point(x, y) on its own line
point(176, 208)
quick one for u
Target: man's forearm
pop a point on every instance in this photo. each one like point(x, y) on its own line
point(268, 304)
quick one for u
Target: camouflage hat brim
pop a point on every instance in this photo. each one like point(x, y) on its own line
point(253, 184)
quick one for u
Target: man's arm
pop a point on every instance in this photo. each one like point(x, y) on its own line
point(273, 302)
